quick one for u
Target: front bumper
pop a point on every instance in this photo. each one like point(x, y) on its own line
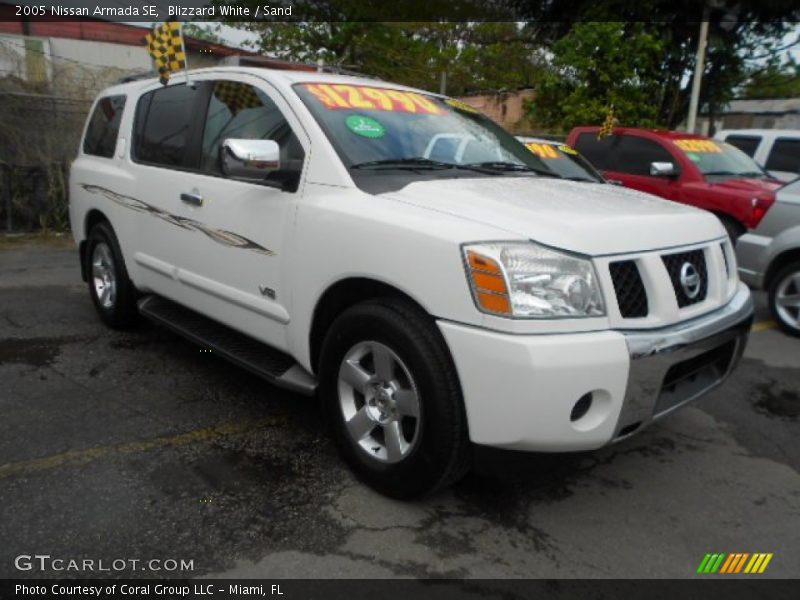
point(520, 390)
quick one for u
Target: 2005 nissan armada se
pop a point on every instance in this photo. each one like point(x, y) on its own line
point(405, 258)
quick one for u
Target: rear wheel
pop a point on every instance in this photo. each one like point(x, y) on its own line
point(112, 292)
point(784, 298)
point(393, 399)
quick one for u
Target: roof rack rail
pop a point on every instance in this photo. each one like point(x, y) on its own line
point(136, 76)
point(266, 62)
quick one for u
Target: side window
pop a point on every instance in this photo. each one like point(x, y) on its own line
point(633, 155)
point(240, 111)
point(163, 120)
point(746, 143)
point(785, 155)
point(103, 129)
point(597, 152)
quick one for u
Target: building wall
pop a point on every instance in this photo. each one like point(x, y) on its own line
point(505, 108)
point(25, 58)
point(763, 121)
point(80, 68)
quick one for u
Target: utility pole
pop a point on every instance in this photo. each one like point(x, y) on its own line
point(699, 66)
point(443, 83)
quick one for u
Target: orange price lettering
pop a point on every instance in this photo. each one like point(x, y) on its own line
point(379, 97)
point(697, 145)
point(354, 97)
point(543, 150)
point(370, 98)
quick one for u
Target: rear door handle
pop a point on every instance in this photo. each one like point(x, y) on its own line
point(194, 199)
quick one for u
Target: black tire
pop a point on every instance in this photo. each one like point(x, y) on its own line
point(778, 282)
point(121, 312)
point(442, 453)
point(734, 228)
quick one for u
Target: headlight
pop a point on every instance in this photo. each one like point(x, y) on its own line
point(531, 281)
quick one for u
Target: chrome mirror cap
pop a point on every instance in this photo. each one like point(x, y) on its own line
point(249, 159)
point(662, 169)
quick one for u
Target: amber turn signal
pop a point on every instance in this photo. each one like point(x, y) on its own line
point(488, 283)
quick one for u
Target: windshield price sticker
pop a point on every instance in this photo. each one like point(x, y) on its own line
point(348, 97)
point(697, 146)
point(544, 150)
point(568, 149)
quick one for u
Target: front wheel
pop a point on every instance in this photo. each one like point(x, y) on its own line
point(784, 298)
point(393, 399)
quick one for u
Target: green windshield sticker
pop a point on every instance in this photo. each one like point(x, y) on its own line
point(693, 156)
point(364, 126)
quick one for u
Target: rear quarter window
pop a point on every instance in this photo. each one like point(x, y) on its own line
point(103, 129)
point(746, 143)
point(785, 155)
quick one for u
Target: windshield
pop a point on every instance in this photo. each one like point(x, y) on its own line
point(719, 159)
point(417, 135)
point(564, 160)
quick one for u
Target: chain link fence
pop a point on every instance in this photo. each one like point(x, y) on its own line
point(40, 135)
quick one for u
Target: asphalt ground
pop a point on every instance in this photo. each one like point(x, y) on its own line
point(139, 446)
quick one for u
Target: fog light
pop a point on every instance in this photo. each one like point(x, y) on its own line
point(581, 407)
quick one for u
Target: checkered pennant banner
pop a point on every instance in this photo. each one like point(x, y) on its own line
point(236, 96)
point(608, 125)
point(165, 45)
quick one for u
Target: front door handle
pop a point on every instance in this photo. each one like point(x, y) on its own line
point(194, 199)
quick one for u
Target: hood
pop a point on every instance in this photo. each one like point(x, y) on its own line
point(750, 185)
point(587, 218)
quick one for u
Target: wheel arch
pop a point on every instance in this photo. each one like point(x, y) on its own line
point(93, 217)
point(777, 263)
point(340, 296)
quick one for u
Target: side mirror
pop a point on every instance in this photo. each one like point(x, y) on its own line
point(663, 169)
point(251, 160)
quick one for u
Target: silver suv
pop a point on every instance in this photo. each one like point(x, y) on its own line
point(769, 257)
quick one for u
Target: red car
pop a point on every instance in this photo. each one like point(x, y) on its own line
point(683, 167)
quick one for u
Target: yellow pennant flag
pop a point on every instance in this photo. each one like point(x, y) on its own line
point(608, 125)
point(165, 45)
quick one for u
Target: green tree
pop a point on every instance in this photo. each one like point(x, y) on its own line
point(774, 80)
point(741, 36)
point(598, 65)
point(474, 55)
point(208, 32)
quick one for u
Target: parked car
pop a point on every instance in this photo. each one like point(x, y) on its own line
point(769, 258)
point(683, 167)
point(563, 159)
point(777, 150)
point(289, 221)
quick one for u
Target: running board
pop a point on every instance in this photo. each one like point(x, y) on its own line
point(273, 365)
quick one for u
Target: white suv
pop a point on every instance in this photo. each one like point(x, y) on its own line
point(291, 222)
point(777, 150)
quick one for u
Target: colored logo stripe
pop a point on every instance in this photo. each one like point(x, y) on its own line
point(735, 563)
point(710, 563)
